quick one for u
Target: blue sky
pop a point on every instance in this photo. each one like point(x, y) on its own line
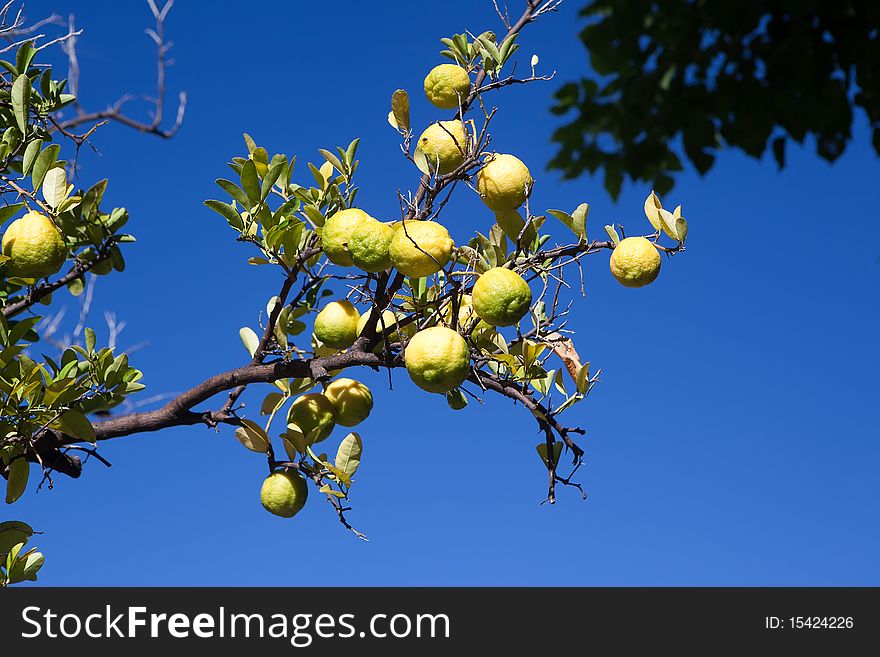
point(730, 442)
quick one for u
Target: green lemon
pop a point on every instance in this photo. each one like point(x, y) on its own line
point(336, 324)
point(34, 245)
point(313, 413)
point(501, 297)
point(635, 262)
point(368, 246)
point(336, 233)
point(437, 359)
point(444, 145)
point(447, 86)
point(352, 399)
point(284, 493)
point(504, 182)
point(420, 248)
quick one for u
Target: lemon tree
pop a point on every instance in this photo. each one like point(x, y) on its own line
point(468, 290)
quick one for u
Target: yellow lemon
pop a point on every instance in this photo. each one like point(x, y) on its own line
point(352, 399)
point(368, 246)
point(437, 359)
point(444, 145)
point(447, 86)
point(313, 413)
point(501, 297)
point(635, 262)
point(34, 245)
point(420, 248)
point(284, 493)
point(504, 182)
point(336, 233)
point(336, 324)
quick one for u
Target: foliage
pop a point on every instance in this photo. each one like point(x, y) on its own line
point(683, 80)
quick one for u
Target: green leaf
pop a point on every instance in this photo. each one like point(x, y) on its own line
point(615, 238)
point(21, 101)
point(249, 339)
point(271, 403)
point(26, 567)
point(8, 211)
point(399, 115)
point(13, 532)
point(250, 182)
point(19, 471)
point(348, 456)
point(229, 213)
point(77, 425)
point(91, 340)
point(557, 452)
point(30, 155)
point(252, 436)
point(45, 161)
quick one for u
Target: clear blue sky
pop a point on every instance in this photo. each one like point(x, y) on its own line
point(730, 442)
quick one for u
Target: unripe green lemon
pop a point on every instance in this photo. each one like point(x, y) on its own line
point(352, 399)
point(504, 182)
point(420, 248)
point(284, 493)
point(34, 245)
point(437, 359)
point(336, 233)
point(310, 412)
point(444, 145)
point(501, 297)
point(368, 246)
point(336, 324)
point(635, 262)
point(447, 86)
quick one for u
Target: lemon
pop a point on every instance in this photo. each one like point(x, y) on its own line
point(387, 324)
point(437, 359)
point(501, 297)
point(368, 246)
point(635, 262)
point(336, 233)
point(284, 493)
point(34, 245)
point(420, 248)
point(336, 324)
point(352, 399)
point(504, 182)
point(447, 86)
point(444, 145)
point(313, 413)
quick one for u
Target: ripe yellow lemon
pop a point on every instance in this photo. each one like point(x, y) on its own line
point(336, 324)
point(336, 233)
point(447, 86)
point(635, 262)
point(501, 297)
point(504, 182)
point(437, 359)
point(368, 246)
point(420, 248)
point(34, 245)
point(352, 399)
point(284, 493)
point(444, 145)
point(313, 413)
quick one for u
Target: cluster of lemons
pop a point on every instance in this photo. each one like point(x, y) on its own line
point(436, 358)
point(345, 402)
